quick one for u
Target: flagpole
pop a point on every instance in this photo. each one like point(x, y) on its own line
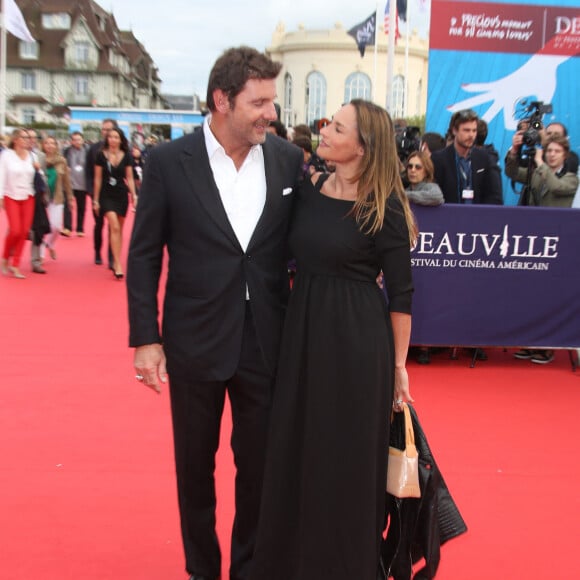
point(406, 110)
point(391, 54)
point(374, 89)
point(2, 70)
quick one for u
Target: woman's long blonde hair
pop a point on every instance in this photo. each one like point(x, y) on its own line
point(379, 174)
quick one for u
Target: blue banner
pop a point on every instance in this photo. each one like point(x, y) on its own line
point(497, 276)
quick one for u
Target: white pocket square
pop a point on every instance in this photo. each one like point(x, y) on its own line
point(480, 170)
point(287, 191)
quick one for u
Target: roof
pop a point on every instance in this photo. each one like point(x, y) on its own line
point(101, 25)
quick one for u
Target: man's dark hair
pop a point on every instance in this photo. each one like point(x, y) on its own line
point(460, 117)
point(280, 129)
point(234, 68)
point(76, 133)
point(304, 143)
point(481, 133)
point(434, 141)
point(302, 130)
point(564, 130)
point(111, 121)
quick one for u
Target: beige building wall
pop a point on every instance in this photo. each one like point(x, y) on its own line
point(335, 55)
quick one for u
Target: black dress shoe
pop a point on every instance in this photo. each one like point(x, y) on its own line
point(98, 260)
point(198, 577)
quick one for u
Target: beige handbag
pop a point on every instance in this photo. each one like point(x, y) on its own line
point(403, 465)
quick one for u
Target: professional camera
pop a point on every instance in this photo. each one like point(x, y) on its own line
point(407, 142)
point(530, 116)
point(531, 136)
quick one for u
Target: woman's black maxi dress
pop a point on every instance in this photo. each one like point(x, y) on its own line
point(324, 488)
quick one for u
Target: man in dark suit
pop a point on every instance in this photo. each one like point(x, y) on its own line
point(465, 173)
point(219, 202)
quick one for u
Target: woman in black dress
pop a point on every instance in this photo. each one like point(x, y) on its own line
point(113, 182)
point(342, 360)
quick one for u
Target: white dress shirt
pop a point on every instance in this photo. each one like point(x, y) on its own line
point(16, 176)
point(243, 192)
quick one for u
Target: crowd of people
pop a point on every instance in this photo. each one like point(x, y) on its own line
point(313, 375)
point(44, 187)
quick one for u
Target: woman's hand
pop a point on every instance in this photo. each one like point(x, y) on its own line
point(401, 393)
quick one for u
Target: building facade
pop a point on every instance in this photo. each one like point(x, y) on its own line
point(322, 69)
point(79, 58)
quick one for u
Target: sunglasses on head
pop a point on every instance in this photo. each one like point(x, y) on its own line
point(467, 114)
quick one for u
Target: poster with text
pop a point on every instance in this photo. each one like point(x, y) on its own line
point(500, 59)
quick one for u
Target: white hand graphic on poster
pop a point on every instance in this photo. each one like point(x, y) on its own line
point(536, 77)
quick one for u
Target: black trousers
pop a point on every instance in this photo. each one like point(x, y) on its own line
point(197, 409)
point(67, 217)
point(81, 199)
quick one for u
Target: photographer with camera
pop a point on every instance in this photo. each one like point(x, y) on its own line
point(548, 181)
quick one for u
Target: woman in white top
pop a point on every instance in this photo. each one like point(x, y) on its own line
point(17, 198)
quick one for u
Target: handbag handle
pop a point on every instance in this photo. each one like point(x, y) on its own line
point(409, 432)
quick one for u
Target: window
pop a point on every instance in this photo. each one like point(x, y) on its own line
point(28, 82)
point(28, 50)
point(56, 21)
point(398, 103)
point(81, 85)
point(28, 116)
point(315, 97)
point(82, 51)
point(288, 104)
point(357, 86)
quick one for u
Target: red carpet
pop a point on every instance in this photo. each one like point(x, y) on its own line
point(86, 467)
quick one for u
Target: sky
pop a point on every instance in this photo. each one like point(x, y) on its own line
point(185, 37)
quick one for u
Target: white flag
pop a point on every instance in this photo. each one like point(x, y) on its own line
point(14, 21)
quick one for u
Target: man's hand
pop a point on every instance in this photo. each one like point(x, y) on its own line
point(517, 141)
point(150, 364)
point(539, 156)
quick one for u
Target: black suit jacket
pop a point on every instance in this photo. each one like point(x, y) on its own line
point(485, 176)
point(180, 210)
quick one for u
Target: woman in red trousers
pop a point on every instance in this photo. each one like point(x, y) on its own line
point(17, 198)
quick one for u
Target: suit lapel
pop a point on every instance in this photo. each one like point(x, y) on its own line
point(195, 163)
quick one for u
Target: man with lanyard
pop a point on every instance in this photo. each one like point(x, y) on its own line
point(464, 173)
point(76, 156)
